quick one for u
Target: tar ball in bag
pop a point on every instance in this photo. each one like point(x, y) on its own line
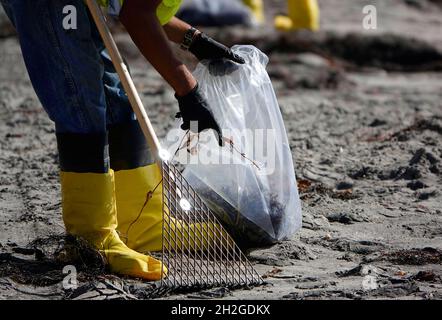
point(250, 182)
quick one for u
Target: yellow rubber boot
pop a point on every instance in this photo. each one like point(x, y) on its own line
point(140, 214)
point(302, 14)
point(89, 211)
point(139, 206)
point(257, 8)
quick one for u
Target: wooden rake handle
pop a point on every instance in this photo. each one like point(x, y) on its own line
point(126, 80)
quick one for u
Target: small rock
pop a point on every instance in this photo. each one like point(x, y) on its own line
point(427, 195)
point(344, 185)
point(416, 185)
point(400, 273)
point(327, 237)
point(343, 217)
point(431, 158)
point(408, 173)
point(377, 123)
point(435, 169)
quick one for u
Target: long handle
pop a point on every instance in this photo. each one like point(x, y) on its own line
point(126, 80)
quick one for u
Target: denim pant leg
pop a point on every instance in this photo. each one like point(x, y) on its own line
point(128, 148)
point(66, 72)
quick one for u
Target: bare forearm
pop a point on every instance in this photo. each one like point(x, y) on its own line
point(148, 35)
point(176, 30)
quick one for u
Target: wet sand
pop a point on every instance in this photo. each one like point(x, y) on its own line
point(363, 113)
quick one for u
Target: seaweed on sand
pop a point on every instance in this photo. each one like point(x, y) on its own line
point(41, 262)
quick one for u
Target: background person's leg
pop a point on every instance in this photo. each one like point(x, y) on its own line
point(67, 73)
point(257, 8)
point(302, 14)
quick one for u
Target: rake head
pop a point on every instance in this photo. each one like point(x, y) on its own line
point(197, 250)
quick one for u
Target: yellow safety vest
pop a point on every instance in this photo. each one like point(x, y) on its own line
point(165, 11)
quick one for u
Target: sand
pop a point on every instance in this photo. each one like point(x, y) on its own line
point(363, 114)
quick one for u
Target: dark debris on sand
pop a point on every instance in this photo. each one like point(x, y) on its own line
point(41, 263)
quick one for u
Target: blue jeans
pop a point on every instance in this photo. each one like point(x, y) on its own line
point(77, 85)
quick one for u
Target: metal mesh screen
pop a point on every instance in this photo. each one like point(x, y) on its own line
point(197, 250)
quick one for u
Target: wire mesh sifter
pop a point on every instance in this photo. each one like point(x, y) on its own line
point(196, 248)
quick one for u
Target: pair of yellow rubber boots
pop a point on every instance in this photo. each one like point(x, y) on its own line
point(110, 212)
point(302, 14)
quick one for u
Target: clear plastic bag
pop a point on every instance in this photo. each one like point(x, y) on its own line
point(249, 183)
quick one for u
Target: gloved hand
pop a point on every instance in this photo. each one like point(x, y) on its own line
point(222, 59)
point(194, 107)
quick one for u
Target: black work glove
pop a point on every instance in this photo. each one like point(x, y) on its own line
point(222, 59)
point(194, 107)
